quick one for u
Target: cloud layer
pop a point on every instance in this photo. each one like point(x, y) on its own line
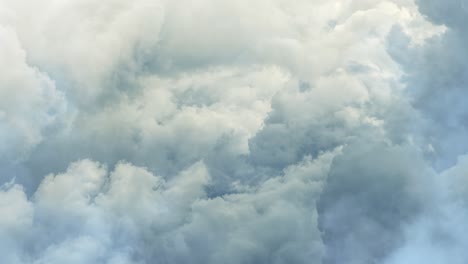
point(233, 132)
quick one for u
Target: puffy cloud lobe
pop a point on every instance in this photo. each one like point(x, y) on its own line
point(30, 105)
point(173, 123)
point(83, 44)
point(16, 222)
point(23, 117)
point(132, 216)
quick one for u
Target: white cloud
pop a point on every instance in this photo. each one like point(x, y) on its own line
point(221, 126)
point(29, 100)
point(132, 216)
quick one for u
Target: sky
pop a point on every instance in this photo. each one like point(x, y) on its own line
point(234, 131)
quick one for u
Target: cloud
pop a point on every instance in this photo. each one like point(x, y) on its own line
point(372, 189)
point(437, 235)
point(82, 44)
point(30, 105)
point(223, 102)
point(435, 80)
point(24, 118)
point(235, 132)
point(129, 215)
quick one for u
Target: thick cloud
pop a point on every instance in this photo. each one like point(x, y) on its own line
point(262, 131)
point(437, 235)
point(87, 215)
point(436, 80)
point(206, 104)
point(30, 105)
point(372, 191)
point(23, 117)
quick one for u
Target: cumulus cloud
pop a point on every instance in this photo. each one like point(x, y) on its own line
point(24, 117)
point(129, 215)
point(262, 131)
point(30, 105)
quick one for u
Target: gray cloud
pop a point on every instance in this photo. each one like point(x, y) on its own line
point(372, 191)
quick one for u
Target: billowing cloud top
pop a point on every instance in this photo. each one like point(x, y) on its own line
point(204, 131)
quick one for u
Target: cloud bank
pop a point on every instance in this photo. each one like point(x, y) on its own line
point(264, 131)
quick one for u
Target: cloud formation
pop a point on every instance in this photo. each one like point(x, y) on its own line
point(129, 215)
point(232, 132)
